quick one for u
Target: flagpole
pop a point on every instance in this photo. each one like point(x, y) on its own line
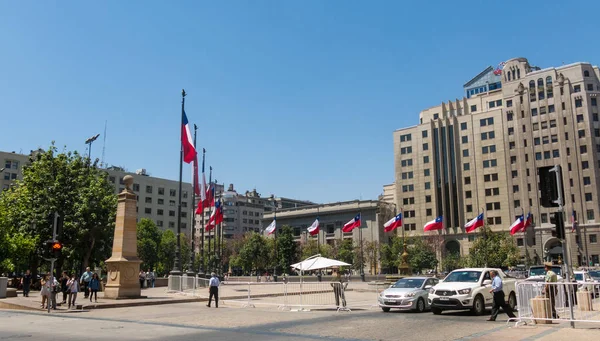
point(209, 214)
point(177, 266)
point(221, 231)
point(214, 231)
point(525, 239)
point(201, 268)
point(275, 218)
point(318, 234)
point(362, 265)
point(190, 270)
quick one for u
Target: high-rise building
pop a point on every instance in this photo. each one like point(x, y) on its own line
point(482, 154)
point(11, 168)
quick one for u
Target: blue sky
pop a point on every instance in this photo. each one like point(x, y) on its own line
point(295, 98)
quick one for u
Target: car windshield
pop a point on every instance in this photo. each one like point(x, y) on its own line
point(463, 276)
point(579, 277)
point(408, 283)
point(595, 274)
point(542, 271)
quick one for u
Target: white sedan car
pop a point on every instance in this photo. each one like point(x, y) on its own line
point(409, 293)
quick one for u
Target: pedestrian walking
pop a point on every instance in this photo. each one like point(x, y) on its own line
point(64, 287)
point(26, 283)
point(213, 289)
point(94, 287)
point(54, 289)
point(73, 289)
point(338, 292)
point(549, 289)
point(499, 301)
point(150, 276)
point(45, 291)
point(142, 278)
point(85, 281)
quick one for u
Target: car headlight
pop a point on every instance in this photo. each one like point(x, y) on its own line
point(410, 294)
point(381, 294)
point(464, 291)
point(431, 290)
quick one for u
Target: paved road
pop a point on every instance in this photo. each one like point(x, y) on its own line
point(193, 321)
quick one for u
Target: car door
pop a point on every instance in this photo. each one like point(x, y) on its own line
point(487, 295)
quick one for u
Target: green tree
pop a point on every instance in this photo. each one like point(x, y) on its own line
point(309, 249)
point(287, 249)
point(148, 241)
point(421, 255)
point(493, 249)
point(453, 261)
point(186, 251)
point(390, 254)
point(254, 255)
point(346, 253)
point(66, 183)
point(166, 251)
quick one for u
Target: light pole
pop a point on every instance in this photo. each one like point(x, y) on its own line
point(90, 141)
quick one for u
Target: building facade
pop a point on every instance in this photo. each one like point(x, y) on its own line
point(332, 218)
point(11, 168)
point(482, 154)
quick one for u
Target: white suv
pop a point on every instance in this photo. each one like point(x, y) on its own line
point(469, 289)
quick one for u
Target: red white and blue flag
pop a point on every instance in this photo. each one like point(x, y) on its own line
point(216, 217)
point(393, 223)
point(314, 228)
point(189, 152)
point(517, 225)
point(474, 223)
point(195, 179)
point(527, 222)
point(272, 226)
point(352, 224)
point(436, 224)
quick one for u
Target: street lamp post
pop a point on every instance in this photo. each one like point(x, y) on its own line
point(90, 141)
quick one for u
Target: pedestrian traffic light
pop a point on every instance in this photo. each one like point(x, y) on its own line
point(559, 225)
point(54, 248)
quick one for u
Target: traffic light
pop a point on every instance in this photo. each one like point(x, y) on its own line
point(550, 186)
point(559, 225)
point(54, 248)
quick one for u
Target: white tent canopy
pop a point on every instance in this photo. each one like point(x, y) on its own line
point(317, 262)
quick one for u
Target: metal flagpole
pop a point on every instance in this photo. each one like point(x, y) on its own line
point(177, 266)
point(201, 269)
point(275, 266)
point(215, 231)
point(362, 265)
point(190, 270)
point(318, 234)
point(209, 214)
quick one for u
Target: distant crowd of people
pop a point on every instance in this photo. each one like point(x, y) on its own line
point(147, 278)
point(68, 284)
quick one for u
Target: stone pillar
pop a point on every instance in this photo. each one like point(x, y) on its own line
point(124, 265)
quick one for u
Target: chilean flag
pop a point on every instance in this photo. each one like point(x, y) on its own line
point(474, 224)
point(352, 224)
point(195, 175)
point(436, 224)
point(517, 225)
point(210, 196)
point(189, 152)
point(528, 221)
point(393, 223)
point(314, 228)
point(271, 228)
point(216, 217)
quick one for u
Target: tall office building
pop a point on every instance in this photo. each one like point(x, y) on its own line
point(482, 154)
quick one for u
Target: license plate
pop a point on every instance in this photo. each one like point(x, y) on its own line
point(390, 301)
point(444, 299)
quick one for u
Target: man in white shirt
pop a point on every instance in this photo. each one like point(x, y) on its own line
point(213, 289)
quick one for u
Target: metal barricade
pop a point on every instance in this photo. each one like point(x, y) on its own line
point(540, 302)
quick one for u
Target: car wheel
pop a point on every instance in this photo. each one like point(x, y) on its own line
point(436, 311)
point(420, 306)
point(478, 306)
point(512, 301)
point(385, 309)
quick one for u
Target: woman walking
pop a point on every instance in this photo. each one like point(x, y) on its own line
point(45, 291)
point(64, 287)
point(94, 287)
point(73, 289)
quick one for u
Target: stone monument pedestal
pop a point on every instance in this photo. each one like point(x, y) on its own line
point(124, 265)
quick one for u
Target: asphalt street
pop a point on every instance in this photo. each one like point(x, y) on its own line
point(194, 321)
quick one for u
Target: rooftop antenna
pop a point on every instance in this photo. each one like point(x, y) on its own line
point(103, 145)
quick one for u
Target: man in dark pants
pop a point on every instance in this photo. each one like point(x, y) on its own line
point(213, 290)
point(26, 282)
point(336, 283)
point(498, 297)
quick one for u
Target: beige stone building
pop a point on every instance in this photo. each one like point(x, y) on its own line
point(11, 168)
point(482, 153)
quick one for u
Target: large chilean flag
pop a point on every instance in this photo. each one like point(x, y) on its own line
point(517, 225)
point(474, 223)
point(436, 224)
point(393, 223)
point(314, 228)
point(189, 152)
point(349, 226)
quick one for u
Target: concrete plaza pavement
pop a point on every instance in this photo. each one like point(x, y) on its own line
point(193, 321)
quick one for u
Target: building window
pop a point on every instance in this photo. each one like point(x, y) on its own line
point(171, 213)
point(463, 126)
point(467, 180)
point(583, 149)
point(466, 166)
point(509, 103)
point(405, 138)
point(593, 239)
point(436, 116)
point(148, 210)
point(511, 131)
point(590, 215)
point(514, 174)
point(465, 139)
point(428, 212)
point(425, 159)
point(590, 87)
point(428, 198)
point(149, 189)
point(161, 191)
point(465, 153)
point(468, 194)
point(406, 150)
point(594, 101)
point(428, 185)
point(511, 145)
point(577, 88)
point(469, 208)
point(520, 242)
point(578, 103)
point(587, 181)
point(581, 133)
point(579, 118)
point(425, 146)
point(588, 197)
point(515, 188)
point(427, 172)
point(406, 163)
point(171, 224)
point(490, 163)
point(172, 192)
point(517, 203)
point(148, 200)
point(513, 160)
point(509, 116)
point(473, 108)
point(159, 212)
